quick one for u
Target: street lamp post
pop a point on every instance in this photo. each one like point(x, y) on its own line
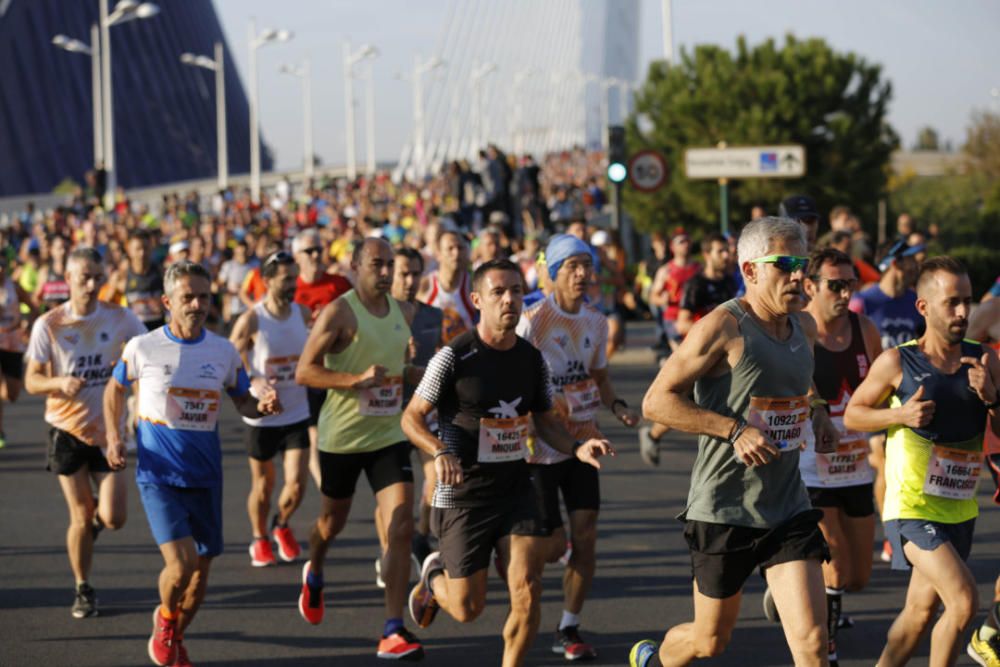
point(370, 121)
point(419, 69)
point(477, 76)
point(303, 72)
point(125, 10)
point(350, 60)
point(254, 42)
point(94, 51)
point(216, 65)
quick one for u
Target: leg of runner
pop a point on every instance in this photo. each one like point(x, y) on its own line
point(938, 576)
point(194, 594)
point(464, 598)
point(850, 566)
point(262, 477)
point(705, 637)
point(112, 506)
point(79, 536)
point(426, 498)
point(395, 512)
point(876, 457)
point(524, 580)
point(180, 562)
point(797, 587)
point(295, 467)
point(331, 520)
point(579, 572)
point(314, 468)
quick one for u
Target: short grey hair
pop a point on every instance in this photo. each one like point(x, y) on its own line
point(305, 239)
point(758, 236)
point(178, 270)
point(85, 254)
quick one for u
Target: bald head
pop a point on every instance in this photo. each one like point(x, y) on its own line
point(369, 245)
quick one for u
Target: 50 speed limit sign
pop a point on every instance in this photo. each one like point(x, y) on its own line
point(647, 171)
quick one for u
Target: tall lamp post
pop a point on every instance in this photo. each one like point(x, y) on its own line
point(94, 51)
point(478, 74)
point(350, 60)
point(254, 42)
point(303, 72)
point(125, 10)
point(370, 120)
point(216, 65)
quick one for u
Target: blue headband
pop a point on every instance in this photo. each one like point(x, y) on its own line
point(564, 246)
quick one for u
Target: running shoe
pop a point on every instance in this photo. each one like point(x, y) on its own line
point(85, 604)
point(831, 652)
point(886, 555)
point(310, 599)
point(379, 581)
point(423, 606)
point(288, 546)
point(641, 653)
point(571, 646)
point(261, 554)
point(649, 449)
point(163, 643)
point(401, 645)
point(182, 655)
point(770, 609)
point(564, 559)
point(985, 652)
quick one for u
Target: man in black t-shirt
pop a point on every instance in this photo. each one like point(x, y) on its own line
point(491, 389)
point(714, 285)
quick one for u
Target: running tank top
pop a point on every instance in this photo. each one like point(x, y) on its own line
point(459, 315)
point(768, 388)
point(55, 290)
point(837, 375)
point(365, 420)
point(932, 472)
point(142, 294)
point(275, 355)
point(10, 318)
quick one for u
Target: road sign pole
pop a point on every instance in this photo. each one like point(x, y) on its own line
point(724, 205)
point(616, 208)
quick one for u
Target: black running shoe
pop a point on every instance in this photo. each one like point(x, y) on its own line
point(85, 603)
point(571, 646)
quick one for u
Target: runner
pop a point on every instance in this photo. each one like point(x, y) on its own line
point(750, 366)
point(314, 288)
point(486, 385)
point(52, 287)
point(143, 286)
point(940, 389)
point(891, 305)
point(231, 275)
point(668, 285)
point(270, 336)
point(802, 209)
point(448, 287)
point(571, 336)
point(837, 474)
point(180, 371)
point(12, 296)
point(70, 356)
point(356, 352)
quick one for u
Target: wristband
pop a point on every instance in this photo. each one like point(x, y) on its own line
point(441, 452)
point(994, 404)
point(737, 430)
point(615, 403)
point(577, 445)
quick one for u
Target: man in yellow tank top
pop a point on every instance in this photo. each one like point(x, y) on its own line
point(939, 390)
point(356, 352)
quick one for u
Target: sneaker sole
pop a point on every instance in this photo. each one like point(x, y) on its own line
point(85, 614)
point(559, 650)
point(259, 563)
point(288, 558)
point(152, 639)
point(302, 612)
point(413, 655)
point(409, 606)
point(975, 655)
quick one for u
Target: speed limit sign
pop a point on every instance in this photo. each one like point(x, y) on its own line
point(647, 170)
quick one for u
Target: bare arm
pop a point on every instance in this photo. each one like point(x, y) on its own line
point(658, 292)
point(873, 339)
point(250, 407)
point(685, 320)
point(334, 322)
point(625, 414)
point(114, 408)
point(447, 467)
point(242, 335)
point(425, 288)
point(38, 380)
point(865, 411)
point(551, 430)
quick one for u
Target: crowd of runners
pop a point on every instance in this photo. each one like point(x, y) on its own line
point(465, 326)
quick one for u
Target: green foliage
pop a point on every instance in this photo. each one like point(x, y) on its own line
point(835, 104)
point(983, 264)
point(927, 140)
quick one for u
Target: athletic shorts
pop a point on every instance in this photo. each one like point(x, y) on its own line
point(67, 454)
point(993, 463)
point(467, 535)
point(578, 482)
point(12, 364)
point(928, 536)
point(316, 398)
point(385, 467)
point(176, 512)
point(723, 556)
point(263, 442)
point(856, 501)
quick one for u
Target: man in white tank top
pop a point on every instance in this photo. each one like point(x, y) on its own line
point(270, 336)
point(449, 287)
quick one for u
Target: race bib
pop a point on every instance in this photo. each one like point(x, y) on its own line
point(785, 421)
point(847, 465)
point(383, 400)
point(280, 371)
point(583, 399)
point(192, 409)
point(953, 473)
point(502, 440)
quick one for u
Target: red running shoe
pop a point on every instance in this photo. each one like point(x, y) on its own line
point(162, 643)
point(182, 655)
point(261, 554)
point(401, 645)
point(288, 547)
point(310, 599)
point(571, 646)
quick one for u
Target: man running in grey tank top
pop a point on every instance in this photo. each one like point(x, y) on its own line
point(750, 365)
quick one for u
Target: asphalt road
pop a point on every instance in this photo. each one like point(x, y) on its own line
point(250, 617)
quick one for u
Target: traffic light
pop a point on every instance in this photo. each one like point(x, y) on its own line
point(617, 160)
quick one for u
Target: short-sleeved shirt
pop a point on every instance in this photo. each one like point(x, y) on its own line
point(701, 294)
point(897, 318)
point(180, 396)
point(233, 273)
point(144, 292)
point(86, 347)
point(321, 291)
point(469, 381)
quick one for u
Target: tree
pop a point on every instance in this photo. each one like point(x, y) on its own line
point(982, 145)
point(832, 103)
point(927, 140)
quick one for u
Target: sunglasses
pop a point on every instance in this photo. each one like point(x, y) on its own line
point(280, 257)
point(784, 263)
point(315, 250)
point(838, 285)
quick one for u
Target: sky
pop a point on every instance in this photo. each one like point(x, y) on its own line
point(943, 58)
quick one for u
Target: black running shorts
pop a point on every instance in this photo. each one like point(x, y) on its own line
point(722, 556)
point(67, 454)
point(263, 442)
point(579, 483)
point(467, 535)
point(856, 501)
point(384, 467)
point(12, 364)
point(316, 399)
